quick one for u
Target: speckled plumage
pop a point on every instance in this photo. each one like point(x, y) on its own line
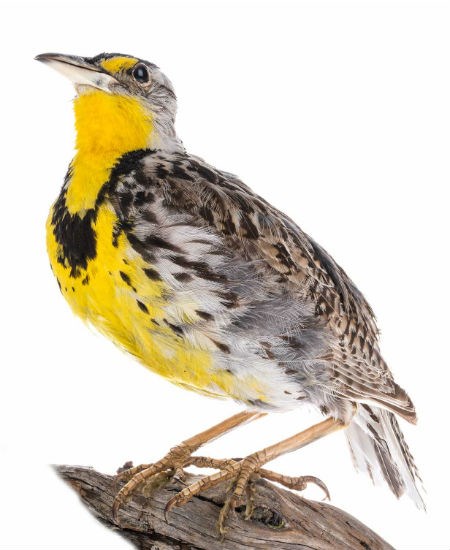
point(214, 288)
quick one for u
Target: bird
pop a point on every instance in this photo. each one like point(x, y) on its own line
point(186, 268)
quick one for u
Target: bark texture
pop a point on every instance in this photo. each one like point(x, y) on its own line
point(281, 519)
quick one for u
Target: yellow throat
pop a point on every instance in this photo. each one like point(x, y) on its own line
point(107, 126)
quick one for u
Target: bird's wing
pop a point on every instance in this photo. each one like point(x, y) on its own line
point(254, 231)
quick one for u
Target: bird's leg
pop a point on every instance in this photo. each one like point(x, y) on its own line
point(178, 457)
point(240, 471)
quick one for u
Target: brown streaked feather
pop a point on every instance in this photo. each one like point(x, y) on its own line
point(256, 231)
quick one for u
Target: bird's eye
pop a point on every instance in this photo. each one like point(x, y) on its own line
point(140, 73)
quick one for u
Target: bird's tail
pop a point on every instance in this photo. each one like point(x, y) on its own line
point(379, 448)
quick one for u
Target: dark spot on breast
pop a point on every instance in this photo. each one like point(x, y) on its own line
point(204, 314)
point(126, 279)
point(183, 277)
point(142, 306)
point(201, 269)
point(178, 172)
point(152, 274)
point(161, 171)
point(149, 216)
point(290, 371)
point(139, 198)
point(268, 350)
point(260, 404)
point(140, 248)
point(178, 330)
point(125, 200)
point(158, 242)
point(229, 299)
point(223, 347)
point(181, 261)
point(75, 235)
point(120, 226)
point(85, 281)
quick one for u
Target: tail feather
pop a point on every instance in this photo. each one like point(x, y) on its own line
point(379, 448)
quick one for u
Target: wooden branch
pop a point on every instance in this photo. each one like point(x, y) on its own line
point(281, 519)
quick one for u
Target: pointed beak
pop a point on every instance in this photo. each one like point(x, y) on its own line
point(81, 71)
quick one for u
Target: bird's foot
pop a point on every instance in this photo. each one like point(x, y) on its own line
point(243, 473)
point(171, 465)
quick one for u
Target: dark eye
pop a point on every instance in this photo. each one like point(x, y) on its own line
point(140, 73)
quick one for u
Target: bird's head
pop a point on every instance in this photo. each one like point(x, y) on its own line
point(122, 102)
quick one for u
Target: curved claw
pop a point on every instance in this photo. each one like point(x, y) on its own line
point(181, 498)
point(186, 494)
point(129, 487)
point(320, 484)
point(229, 505)
point(168, 507)
point(297, 483)
point(118, 501)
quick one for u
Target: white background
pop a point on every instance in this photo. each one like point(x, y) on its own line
point(339, 114)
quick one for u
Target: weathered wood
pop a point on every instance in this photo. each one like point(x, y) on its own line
point(281, 519)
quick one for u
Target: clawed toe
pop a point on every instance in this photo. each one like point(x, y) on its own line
point(242, 472)
point(299, 483)
point(172, 464)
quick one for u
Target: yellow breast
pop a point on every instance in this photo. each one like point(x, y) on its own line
point(116, 295)
point(106, 282)
point(111, 288)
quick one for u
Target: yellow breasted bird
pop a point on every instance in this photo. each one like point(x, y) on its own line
point(207, 284)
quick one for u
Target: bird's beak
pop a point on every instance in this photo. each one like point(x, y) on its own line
point(81, 71)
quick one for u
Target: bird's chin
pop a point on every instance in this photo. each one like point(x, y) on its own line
point(84, 88)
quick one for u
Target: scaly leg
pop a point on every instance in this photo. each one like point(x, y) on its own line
point(240, 471)
point(178, 457)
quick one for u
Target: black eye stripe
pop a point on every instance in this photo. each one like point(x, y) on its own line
point(140, 73)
